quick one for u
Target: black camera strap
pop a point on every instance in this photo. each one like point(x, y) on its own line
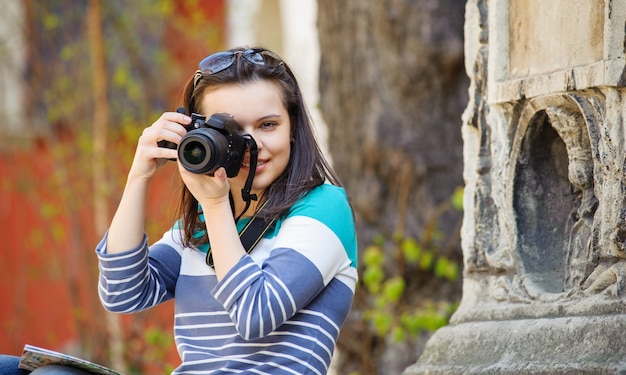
point(250, 235)
point(247, 187)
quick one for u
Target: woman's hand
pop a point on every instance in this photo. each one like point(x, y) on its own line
point(212, 194)
point(210, 191)
point(127, 227)
point(148, 155)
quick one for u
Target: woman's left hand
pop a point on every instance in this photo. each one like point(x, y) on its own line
point(208, 190)
point(212, 194)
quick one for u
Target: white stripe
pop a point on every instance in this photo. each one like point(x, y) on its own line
point(243, 360)
point(198, 326)
point(242, 284)
point(124, 268)
point(321, 315)
point(120, 256)
point(206, 338)
point(132, 298)
point(261, 323)
point(108, 293)
point(317, 242)
point(244, 302)
point(305, 337)
point(193, 263)
point(286, 290)
point(121, 281)
point(199, 313)
point(280, 302)
point(272, 316)
point(230, 280)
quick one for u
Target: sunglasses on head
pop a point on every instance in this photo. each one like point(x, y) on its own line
point(223, 60)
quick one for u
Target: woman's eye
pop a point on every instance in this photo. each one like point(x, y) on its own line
point(268, 125)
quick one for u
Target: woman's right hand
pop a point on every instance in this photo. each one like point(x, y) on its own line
point(128, 225)
point(148, 155)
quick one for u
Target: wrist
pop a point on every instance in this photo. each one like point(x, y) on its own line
point(137, 181)
point(216, 205)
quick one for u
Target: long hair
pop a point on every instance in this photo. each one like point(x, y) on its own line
point(307, 167)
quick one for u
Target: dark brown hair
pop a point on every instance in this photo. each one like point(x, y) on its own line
point(307, 167)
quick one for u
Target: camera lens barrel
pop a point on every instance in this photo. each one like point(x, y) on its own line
point(203, 151)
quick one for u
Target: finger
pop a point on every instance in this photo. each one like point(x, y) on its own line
point(163, 131)
point(173, 126)
point(220, 173)
point(166, 153)
point(176, 117)
point(177, 122)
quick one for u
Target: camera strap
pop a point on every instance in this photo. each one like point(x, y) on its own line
point(247, 187)
point(250, 235)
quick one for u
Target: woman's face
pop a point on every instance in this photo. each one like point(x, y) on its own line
point(259, 110)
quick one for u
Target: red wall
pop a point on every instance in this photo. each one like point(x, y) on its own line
point(48, 268)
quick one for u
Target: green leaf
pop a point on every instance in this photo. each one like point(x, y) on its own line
point(379, 240)
point(372, 279)
point(399, 334)
point(393, 288)
point(446, 269)
point(426, 261)
point(381, 303)
point(373, 256)
point(411, 323)
point(457, 198)
point(397, 237)
point(382, 323)
point(411, 250)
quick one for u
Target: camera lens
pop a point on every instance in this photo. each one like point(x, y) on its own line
point(203, 150)
point(194, 153)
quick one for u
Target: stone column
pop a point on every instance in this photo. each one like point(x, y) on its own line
point(544, 232)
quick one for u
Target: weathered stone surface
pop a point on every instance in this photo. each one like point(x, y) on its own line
point(574, 345)
point(544, 231)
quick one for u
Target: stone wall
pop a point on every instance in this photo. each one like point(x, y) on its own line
point(544, 232)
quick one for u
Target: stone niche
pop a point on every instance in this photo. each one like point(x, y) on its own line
point(544, 229)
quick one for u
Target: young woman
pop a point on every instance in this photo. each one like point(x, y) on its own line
point(274, 310)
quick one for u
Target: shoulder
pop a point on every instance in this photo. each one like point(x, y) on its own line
point(330, 206)
point(326, 203)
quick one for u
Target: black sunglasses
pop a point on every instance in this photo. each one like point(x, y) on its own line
point(223, 60)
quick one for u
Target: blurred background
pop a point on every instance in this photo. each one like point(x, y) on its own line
point(80, 79)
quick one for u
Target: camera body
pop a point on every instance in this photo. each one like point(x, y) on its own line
point(211, 144)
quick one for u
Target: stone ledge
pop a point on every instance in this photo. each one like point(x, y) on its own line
point(569, 345)
point(608, 73)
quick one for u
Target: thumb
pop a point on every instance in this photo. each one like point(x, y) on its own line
point(220, 173)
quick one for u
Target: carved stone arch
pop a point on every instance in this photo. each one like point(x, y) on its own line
point(552, 193)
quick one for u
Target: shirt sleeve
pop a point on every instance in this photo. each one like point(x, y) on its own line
point(312, 247)
point(139, 278)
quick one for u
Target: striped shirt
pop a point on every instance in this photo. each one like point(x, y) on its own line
point(278, 310)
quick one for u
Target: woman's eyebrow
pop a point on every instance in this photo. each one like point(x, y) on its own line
point(267, 117)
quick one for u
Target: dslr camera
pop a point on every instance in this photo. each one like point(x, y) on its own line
point(211, 144)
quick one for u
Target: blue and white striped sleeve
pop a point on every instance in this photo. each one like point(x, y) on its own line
point(139, 278)
point(315, 245)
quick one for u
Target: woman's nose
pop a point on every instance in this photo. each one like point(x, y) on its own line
point(257, 140)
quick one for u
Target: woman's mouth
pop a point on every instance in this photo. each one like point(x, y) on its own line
point(246, 165)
